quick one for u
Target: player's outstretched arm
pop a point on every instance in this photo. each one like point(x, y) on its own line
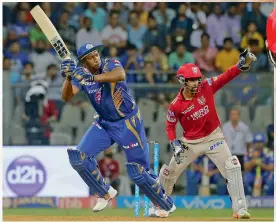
point(246, 59)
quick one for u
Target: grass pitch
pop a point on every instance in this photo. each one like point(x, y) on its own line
point(33, 214)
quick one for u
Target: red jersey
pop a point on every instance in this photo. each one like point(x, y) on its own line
point(198, 117)
point(110, 170)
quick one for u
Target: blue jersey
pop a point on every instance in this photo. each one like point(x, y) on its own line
point(112, 101)
point(267, 158)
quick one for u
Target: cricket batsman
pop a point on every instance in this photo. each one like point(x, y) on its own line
point(194, 107)
point(119, 121)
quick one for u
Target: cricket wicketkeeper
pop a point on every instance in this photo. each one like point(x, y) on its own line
point(194, 107)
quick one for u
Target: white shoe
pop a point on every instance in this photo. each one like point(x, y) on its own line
point(102, 203)
point(160, 212)
point(242, 214)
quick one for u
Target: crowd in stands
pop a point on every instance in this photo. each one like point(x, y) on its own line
point(151, 40)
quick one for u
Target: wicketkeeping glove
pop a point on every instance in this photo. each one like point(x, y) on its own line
point(67, 67)
point(179, 149)
point(246, 59)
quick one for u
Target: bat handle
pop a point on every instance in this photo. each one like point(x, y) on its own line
point(67, 57)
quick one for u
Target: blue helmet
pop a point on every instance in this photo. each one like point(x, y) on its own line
point(87, 48)
point(259, 138)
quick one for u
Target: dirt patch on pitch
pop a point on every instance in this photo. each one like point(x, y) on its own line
point(115, 218)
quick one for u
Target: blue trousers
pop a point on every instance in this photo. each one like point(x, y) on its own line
point(128, 133)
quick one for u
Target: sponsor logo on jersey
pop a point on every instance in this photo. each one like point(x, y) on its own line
point(201, 100)
point(89, 83)
point(131, 146)
point(200, 113)
point(98, 96)
point(171, 116)
point(91, 91)
point(188, 109)
point(209, 81)
point(216, 145)
point(215, 78)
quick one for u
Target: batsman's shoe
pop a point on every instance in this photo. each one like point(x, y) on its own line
point(242, 214)
point(102, 202)
point(160, 213)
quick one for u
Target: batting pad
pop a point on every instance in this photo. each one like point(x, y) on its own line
point(167, 178)
point(89, 172)
point(150, 186)
point(234, 183)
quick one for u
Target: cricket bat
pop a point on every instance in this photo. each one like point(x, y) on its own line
point(50, 32)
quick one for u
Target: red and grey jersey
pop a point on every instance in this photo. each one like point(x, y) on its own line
point(198, 117)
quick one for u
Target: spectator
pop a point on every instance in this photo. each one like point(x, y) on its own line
point(86, 33)
point(261, 62)
point(97, 15)
point(7, 15)
point(180, 57)
point(36, 34)
point(159, 59)
point(150, 73)
point(228, 56)
point(194, 177)
point(74, 11)
point(135, 31)
point(163, 14)
point(8, 101)
point(206, 55)
point(199, 24)
point(46, 7)
point(66, 31)
point(54, 81)
point(113, 34)
point(258, 160)
point(233, 24)
point(21, 28)
point(252, 34)
point(110, 169)
point(17, 57)
point(270, 137)
point(113, 53)
point(131, 61)
point(42, 58)
point(237, 135)
point(197, 15)
point(124, 14)
point(138, 7)
point(216, 26)
point(181, 25)
point(254, 16)
point(156, 34)
point(8, 38)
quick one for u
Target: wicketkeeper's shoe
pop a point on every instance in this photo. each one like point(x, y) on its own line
point(157, 212)
point(242, 214)
point(102, 202)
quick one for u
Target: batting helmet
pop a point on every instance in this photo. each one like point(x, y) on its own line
point(271, 36)
point(189, 71)
point(86, 49)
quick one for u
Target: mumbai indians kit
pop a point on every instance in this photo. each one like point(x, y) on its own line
point(119, 118)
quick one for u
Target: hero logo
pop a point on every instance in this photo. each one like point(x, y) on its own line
point(171, 117)
point(26, 176)
point(130, 146)
point(200, 113)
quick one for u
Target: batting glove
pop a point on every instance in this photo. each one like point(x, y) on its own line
point(67, 67)
point(246, 59)
point(179, 149)
point(82, 75)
